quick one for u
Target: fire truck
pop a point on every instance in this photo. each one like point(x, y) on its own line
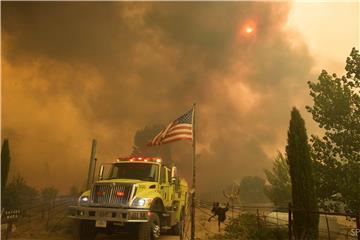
point(138, 195)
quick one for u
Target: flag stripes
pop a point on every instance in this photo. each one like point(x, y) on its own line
point(180, 129)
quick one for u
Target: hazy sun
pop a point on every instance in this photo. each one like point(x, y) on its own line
point(248, 29)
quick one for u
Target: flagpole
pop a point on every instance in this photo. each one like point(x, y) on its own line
point(193, 177)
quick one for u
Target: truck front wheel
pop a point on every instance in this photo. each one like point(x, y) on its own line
point(87, 230)
point(151, 229)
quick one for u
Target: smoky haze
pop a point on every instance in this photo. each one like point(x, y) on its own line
point(77, 71)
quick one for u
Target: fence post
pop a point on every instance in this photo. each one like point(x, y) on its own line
point(232, 209)
point(8, 230)
point(42, 209)
point(48, 217)
point(289, 222)
point(327, 226)
point(258, 219)
point(358, 225)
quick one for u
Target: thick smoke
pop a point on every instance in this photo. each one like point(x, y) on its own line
point(77, 71)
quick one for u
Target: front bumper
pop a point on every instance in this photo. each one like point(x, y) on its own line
point(121, 215)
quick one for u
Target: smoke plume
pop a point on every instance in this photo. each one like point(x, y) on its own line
point(77, 71)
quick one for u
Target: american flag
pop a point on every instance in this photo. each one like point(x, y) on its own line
point(180, 129)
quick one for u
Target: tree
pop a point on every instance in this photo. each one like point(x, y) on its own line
point(337, 153)
point(279, 190)
point(302, 190)
point(143, 137)
point(18, 194)
point(252, 190)
point(5, 164)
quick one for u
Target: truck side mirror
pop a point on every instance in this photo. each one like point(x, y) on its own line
point(173, 174)
point(101, 172)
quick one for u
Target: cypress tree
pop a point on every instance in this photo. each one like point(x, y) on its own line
point(5, 164)
point(303, 190)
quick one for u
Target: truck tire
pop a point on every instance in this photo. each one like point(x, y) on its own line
point(151, 229)
point(87, 230)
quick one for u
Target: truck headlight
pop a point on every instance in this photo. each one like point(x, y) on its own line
point(141, 202)
point(83, 199)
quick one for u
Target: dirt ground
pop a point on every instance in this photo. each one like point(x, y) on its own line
point(65, 230)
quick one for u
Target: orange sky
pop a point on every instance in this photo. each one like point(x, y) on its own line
point(328, 28)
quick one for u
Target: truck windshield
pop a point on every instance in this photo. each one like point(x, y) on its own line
point(139, 171)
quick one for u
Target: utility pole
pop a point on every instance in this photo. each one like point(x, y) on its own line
point(5, 164)
point(91, 164)
point(193, 199)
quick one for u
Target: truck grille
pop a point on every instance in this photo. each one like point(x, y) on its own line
point(111, 194)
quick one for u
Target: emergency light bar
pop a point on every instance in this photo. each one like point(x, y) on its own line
point(139, 159)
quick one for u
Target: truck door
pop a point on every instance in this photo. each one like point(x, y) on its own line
point(165, 186)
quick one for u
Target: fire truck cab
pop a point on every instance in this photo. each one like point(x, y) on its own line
point(139, 195)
